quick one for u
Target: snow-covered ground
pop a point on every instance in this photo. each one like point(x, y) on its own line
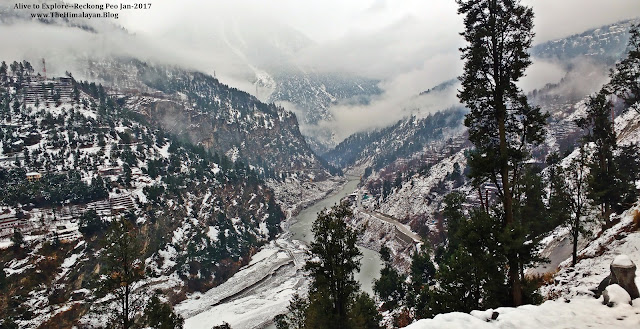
point(254, 295)
point(595, 254)
point(411, 198)
point(557, 247)
point(574, 313)
point(594, 260)
point(572, 303)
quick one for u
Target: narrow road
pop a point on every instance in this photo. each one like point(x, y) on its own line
point(401, 227)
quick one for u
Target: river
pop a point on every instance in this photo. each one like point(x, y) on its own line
point(371, 264)
point(262, 289)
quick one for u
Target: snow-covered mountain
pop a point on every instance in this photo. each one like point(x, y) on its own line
point(311, 95)
point(606, 43)
point(268, 59)
point(263, 62)
point(73, 159)
point(207, 112)
point(560, 99)
point(408, 138)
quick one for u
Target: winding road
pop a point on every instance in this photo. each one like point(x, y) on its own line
point(402, 229)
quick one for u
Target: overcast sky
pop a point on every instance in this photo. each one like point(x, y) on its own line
point(376, 38)
point(334, 19)
point(409, 45)
point(380, 39)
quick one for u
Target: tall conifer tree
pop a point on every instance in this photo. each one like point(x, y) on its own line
point(604, 183)
point(336, 259)
point(502, 125)
point(123, 269)
point(625, 78)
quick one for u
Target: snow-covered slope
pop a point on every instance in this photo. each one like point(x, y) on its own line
point(606, 43)
point(408, 138)
point(594, 259)
point(252, 297)
point(210, 113)
point(201, 216)
point(572, 303)
point(267, 62)
point(574, 313)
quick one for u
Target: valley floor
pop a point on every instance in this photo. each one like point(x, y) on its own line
point(254, 295)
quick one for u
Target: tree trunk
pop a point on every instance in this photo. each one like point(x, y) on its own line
point(576, 226)
point(514, 277)
point(574, 259)
point(125, 317)
point(126, 307)
point(501, 113)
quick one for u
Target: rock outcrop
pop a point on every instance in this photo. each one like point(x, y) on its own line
point(623, 273)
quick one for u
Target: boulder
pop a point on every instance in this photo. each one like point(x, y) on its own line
point(615, 295)
point(623, 273)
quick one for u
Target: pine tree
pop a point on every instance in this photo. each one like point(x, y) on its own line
point(472, 275)
point(18, 240)
point(16, 106)
point(390, 287)
point(90, 223)
point(628, 164)
point(604, 185)
point(422, 269)
point(335, 300)
point(363, 313)
point(14, 67)
point(559, 197)
point(76, 92)
point(530, 206)
point(335, 259)
point(422, 274)
point(295, 316)
point(578, 203)
point(3, 278)
point(501, 124)
point(122, 271)
point(625, 78)
point(454, 217)
point(8, 323)
point(160, 315)
point(27, 67)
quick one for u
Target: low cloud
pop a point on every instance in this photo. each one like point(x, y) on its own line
point(67, 49)
point(410, 46)
point(558, 19)
point(540, 73)
point(401, 98)
point(584, 77)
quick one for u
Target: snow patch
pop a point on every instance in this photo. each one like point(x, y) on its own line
point(622, 261)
